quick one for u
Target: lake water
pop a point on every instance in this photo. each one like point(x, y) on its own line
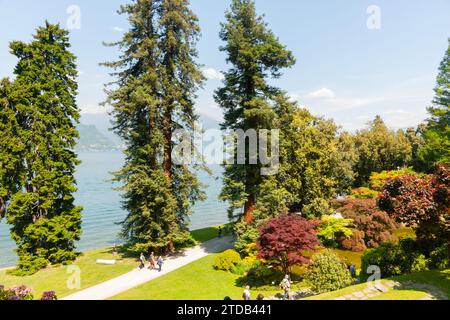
point(102, 208)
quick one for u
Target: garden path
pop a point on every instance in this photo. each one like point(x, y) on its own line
point(138, 277)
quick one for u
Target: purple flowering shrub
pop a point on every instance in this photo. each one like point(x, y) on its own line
point(23, 293)
point(49, 295)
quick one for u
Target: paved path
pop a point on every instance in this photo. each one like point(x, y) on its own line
point(137, 277)
point(372, 291)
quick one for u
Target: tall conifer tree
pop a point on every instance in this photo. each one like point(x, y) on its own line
point(247, 98)
point(437, 134)
point(157, 78)
point(42, 113)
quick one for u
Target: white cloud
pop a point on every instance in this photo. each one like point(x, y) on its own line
point(213, 74)
point(322, 93)
point(212, 111)
point(117, 29)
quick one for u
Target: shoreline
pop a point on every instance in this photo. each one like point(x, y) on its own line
point(102, 248)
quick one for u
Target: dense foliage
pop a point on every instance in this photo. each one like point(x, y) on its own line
point(376, 226)
point(393, 259)
point(436, 148)
point(314, 167)
point(327, 272)
point(23, 293)
point(157, 77)
point(247, 98)
point(37, 162)
point(421, 203)
point(227, 260)
point(380, 149)
point(331, 228)
point(377, 180)
point(286, 240)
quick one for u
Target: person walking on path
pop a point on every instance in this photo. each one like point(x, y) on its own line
point(160, 262)
point(142, 260)
point(286, 286)
point(352, 270)
point(246, 295)
point(220, 232)
point(152, 261)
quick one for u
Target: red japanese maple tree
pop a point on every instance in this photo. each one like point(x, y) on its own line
point(422, 203)
point(286, 240)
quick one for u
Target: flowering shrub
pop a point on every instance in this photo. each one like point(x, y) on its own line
point(23, 293)
point(16, 293)
point(49, 295)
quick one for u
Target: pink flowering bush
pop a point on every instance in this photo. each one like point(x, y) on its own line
point(22, 292)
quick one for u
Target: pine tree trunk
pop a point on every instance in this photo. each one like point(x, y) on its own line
point(249, 208)
point(168, 123)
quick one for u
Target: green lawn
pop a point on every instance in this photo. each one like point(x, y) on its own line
point(203, 235)
point(196, 281)
point(55, 279)
point(436, 278)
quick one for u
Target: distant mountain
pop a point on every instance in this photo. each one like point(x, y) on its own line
point(92, 140)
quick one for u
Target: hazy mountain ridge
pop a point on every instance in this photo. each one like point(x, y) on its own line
point(91, 139)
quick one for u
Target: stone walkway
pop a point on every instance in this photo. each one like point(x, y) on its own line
point(137, 277)
point(372, 291)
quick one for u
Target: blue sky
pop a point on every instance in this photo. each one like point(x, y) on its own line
point(344, 70)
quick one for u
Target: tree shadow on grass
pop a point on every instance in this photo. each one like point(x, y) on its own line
point(434, 283)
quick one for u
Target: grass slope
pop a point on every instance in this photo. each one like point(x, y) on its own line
point(435, 278)
point(196, 281)
point(55, 278)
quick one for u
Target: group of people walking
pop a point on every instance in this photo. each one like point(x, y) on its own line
point(152, 263)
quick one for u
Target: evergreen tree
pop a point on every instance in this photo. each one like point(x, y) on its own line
point(42, 115)
point(247, 98)
point(437, 134)
point(157, 78)
point(11, 146)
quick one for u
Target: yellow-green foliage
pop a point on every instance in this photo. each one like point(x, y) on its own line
point(227, 260)
point(363, 193)
point(331, 226)
point(378, 180)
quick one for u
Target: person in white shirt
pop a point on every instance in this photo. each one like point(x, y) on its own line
point(246, 295)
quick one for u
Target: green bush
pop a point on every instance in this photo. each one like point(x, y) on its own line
point(327, 272)
point(261, 275)
point(246, 235)
point(394, 259)
point(227, 260)
point(29, 265)
point(439, 258)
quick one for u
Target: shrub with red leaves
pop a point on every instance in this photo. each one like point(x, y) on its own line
point(374, 225)
point(421, 203)
point(285, 241)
